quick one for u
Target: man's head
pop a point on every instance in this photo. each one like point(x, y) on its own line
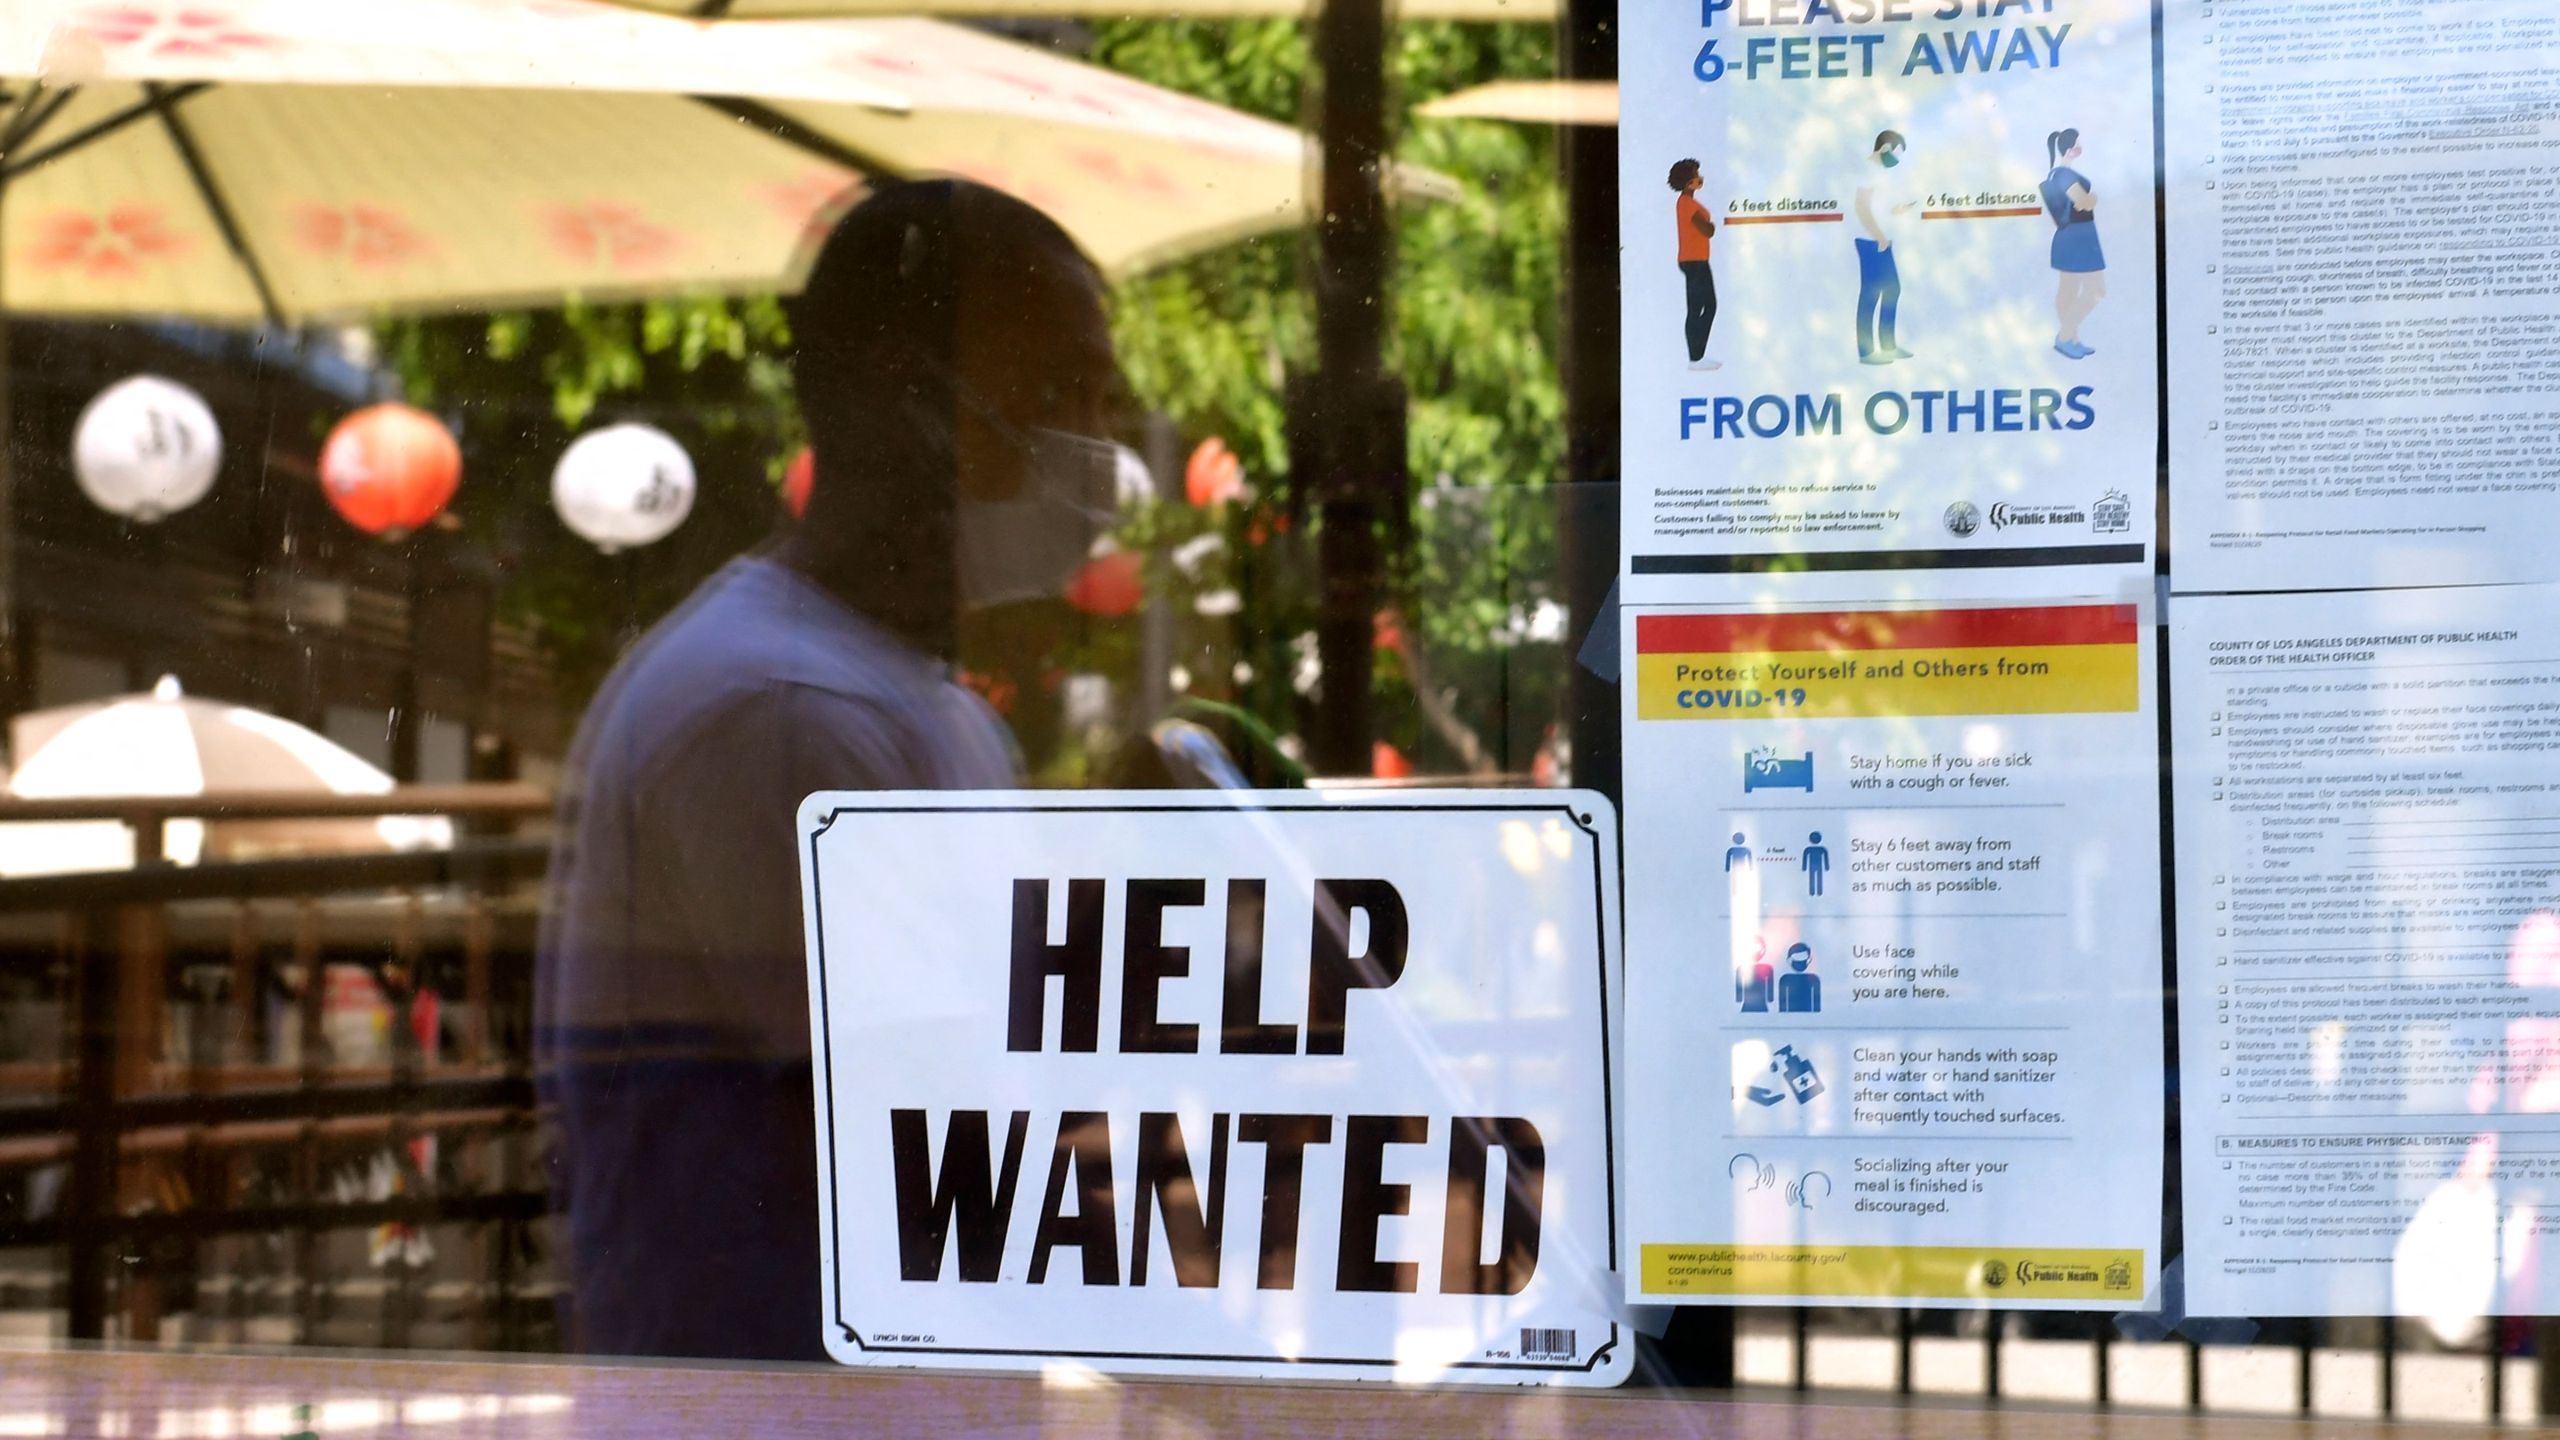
point(1799, 957)
point(1684, 176)
point(1737, 837)
point(947, 335)
point(1888, 148)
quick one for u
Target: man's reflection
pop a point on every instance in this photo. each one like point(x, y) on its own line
point(954, 368)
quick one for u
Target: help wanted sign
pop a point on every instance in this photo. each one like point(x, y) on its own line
point(1262, 1084)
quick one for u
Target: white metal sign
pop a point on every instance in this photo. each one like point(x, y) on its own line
point(1247, 1084)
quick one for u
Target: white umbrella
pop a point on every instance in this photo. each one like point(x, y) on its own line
point(165, 744)
point(286, 160)
point(1513, 10)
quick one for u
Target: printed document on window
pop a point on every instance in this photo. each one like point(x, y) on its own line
point(1895, 1030)
point(2364, 321)
point(2368, 842)
point(1888, 281)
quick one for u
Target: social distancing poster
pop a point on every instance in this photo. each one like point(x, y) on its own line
point(1219, 1084)
point(1888, 277)
point(1894, 955)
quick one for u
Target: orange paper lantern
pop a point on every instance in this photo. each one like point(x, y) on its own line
point(1109, 586)
point(1214, 475)
point(796, 480)
point(389, 469)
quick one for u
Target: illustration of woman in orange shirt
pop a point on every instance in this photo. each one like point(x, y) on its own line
point(1697, 232)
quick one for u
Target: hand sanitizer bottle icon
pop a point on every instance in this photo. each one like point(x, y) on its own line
point(1802, 1081)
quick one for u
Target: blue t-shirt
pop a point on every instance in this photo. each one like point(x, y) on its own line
point(671, 1005)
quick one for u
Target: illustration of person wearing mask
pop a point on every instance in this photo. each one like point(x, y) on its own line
point(1697, 232)
point(2077, 259)
point(1882, 204)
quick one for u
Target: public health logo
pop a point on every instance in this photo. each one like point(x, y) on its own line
point(1963, 519)
point(1995, 1273)
point(2112, 515)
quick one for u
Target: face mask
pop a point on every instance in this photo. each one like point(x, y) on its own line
point(1892, 158)
point(1028, 547)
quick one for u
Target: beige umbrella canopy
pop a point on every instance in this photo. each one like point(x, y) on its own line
point(165, 743)
point(1539, 102)
point(288, 160)
point(1523, 10)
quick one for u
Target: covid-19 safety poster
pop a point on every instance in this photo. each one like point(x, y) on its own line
point(1894, 1020)
point(1890, 727)
point(1887, 279)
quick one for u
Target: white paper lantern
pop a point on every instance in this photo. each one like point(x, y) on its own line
point(146, 448)
point(623, 485)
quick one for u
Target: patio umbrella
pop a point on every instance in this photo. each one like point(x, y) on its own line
point(289, 160)
point(1537, 102)
point(164, 743)
point(1513, 10)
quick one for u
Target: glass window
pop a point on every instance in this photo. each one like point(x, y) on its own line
point(1088, 695)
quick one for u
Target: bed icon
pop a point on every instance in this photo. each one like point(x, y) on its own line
point(1766, 770)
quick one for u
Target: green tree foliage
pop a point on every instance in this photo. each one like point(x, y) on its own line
point(1209, 342)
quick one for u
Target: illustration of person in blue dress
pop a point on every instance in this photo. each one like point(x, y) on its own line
point(1755, 984)
point(1799, 990)
point(2077, 258)
point(1817, 863)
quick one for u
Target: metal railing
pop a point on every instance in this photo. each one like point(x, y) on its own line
point(152, 1124)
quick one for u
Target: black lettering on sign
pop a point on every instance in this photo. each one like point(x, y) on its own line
point(1334, 971)
point(1284, 1139)
point(961, 1194)
point(1193, 1232)
point(1077, 963)
point(1241, 1030)
point(1367, 1199)
point(1147, 962)
point(1084, 1146)
point(1523, 1187)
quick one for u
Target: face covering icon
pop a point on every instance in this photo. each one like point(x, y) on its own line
point(1790, 1076)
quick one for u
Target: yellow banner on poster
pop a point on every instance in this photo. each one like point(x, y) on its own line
point(2036, 680)
point(1839, 664)
point(1930, 1272)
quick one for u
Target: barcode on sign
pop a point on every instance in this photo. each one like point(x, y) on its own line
point(1547, 1345)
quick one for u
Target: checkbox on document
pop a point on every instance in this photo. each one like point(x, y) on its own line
point(2225, 1019)
point(2221, 930)
point(2226, 1044)
point(2226, 1069)
point(2217, 714)
point(2221, 879)
point(2226, 1099)
point(2226, 1164)
point(2225, 1005)
point(2223, 989)
point(2221, 904)
point(2217, 729)
point(2226, 1219)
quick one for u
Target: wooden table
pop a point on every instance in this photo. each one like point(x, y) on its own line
point(277, 1396)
